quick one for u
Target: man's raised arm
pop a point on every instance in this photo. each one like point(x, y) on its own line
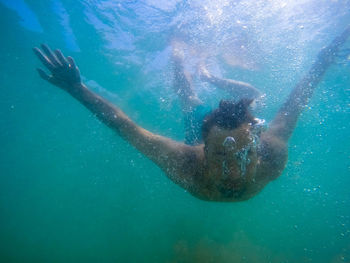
point(286, 118)
point(166, 153)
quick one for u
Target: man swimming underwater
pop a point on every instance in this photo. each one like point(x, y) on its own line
point(236, 158)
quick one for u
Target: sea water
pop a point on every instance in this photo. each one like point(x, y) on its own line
point(71, 190)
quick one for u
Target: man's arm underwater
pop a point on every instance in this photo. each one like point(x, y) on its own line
point(238, 89)
point(166, 153)
point(273, 146)
point(286, 118)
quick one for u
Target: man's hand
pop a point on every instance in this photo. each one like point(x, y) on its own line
point(65, 74)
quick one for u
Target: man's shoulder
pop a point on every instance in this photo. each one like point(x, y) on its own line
point(273, 154)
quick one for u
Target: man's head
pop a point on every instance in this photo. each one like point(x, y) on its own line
point(228, 116)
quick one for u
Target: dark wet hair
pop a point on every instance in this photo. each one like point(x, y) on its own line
point(229, 115)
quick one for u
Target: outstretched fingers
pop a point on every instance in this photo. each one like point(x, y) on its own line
point(64, 71)
point(61, 58)
point(47, 77)
point(43, 74)
point(44, 59)
point(71, 62)
point(50, 55)
point(73, 66)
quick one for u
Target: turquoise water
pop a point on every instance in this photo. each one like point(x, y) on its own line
point(73, 191)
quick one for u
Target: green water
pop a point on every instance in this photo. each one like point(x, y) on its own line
point(73, 191)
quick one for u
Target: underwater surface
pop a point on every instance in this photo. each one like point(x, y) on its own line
point(71, 190)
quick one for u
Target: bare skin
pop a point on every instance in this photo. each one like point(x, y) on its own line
point(237, 88)
point(199, 169)
point(183, 84)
